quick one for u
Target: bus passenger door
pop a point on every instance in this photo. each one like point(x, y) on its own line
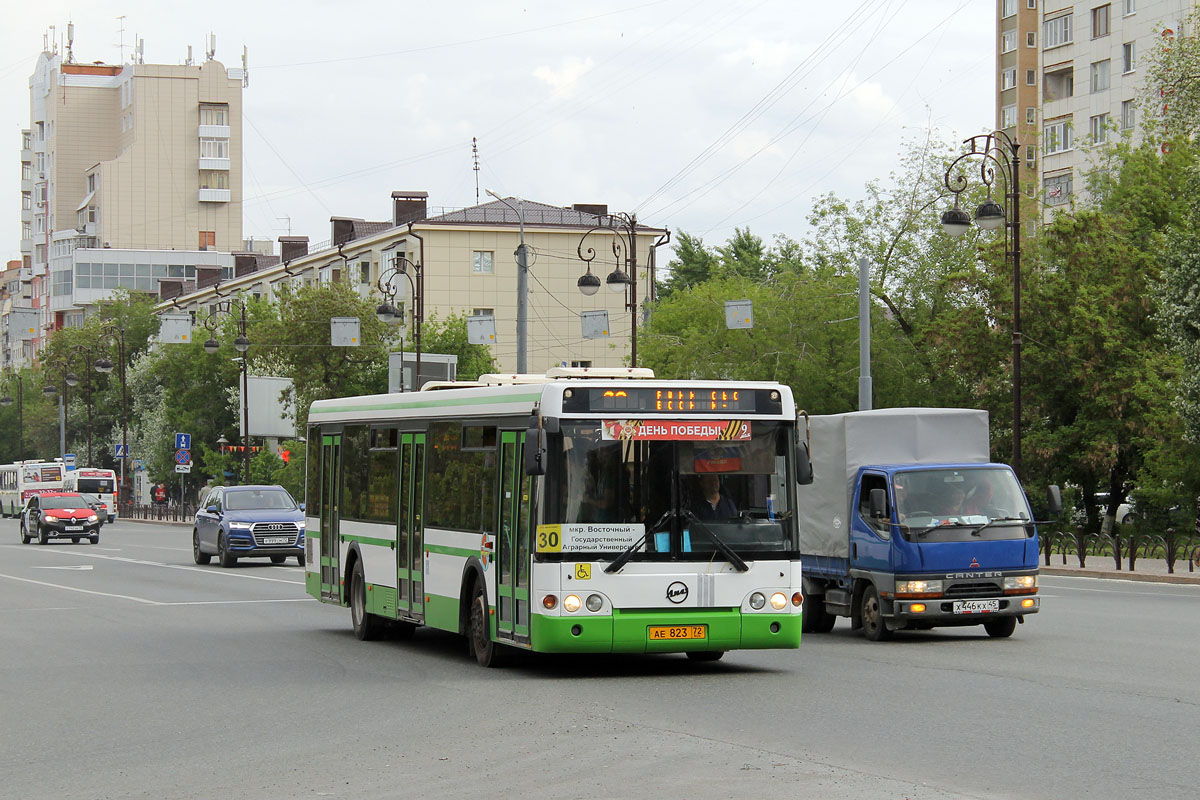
point(410, 539)
point(331, 469)
point(512, 562)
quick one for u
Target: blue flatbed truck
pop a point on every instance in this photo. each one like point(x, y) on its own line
point(908, 524)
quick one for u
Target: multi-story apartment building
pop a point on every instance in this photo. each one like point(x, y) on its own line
point(1068, 79)
point(122, 159)
point(468, 267)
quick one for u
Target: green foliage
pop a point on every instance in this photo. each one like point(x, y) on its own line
point(264, 466)
point(1171, 96)
point(692, 264)
point(449, 337)
point(290, 475)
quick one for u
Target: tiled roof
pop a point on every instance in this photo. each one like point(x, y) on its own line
point(535, 214)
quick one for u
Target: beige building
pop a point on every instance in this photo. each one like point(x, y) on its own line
point(1070, 79)
point(132, 157)
point(468, 267)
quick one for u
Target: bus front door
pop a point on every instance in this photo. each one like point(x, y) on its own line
point(410, 530)
point(331, 470)
point(512, 578)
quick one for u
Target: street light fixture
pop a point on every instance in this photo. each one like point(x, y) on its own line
point(623, 228)
point(116, 333)
point(522, 285)
point(387, 312)
point(241, 344)
point(998, 156)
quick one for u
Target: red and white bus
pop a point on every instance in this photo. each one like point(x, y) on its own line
point(24, 478)
point(100, 482)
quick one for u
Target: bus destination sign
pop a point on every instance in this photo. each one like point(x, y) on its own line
point(673, 400)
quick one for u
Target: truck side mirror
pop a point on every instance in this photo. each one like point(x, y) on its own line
point(1054, 499)
point(877, 501)
point(804, 472)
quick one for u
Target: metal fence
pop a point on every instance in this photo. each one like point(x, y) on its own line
point(1125, 543)
point(161, 512)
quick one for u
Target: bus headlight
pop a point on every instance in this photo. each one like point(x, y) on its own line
point(757, 600)
point(594, 602)
point(779, 601)
point(572, 603)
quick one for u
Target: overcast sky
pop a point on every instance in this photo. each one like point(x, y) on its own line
point(698, 115)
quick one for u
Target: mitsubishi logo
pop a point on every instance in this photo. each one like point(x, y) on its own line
point(677, 592)
point(974, 562)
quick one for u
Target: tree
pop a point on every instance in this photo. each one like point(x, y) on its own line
point(1171, 97)
point(692, 264)
point(449, 337)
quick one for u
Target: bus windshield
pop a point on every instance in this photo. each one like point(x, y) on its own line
point(95, 485)
point(732, 482)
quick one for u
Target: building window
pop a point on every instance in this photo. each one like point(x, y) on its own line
point(214, 115)
point(1057, 137)
point(1008, 41)
point(1031, 4)
point(208, 239)
point(214, 179)
point(26, 201)
point(1008, 116)
point(214, 148)
point(1058, 85)
point(583, 364)
point(1008, 8)
point(1008, 79)
point(1031, 156)
point(1058, 189)
point(1031, 39)
point(1031, 77)
point(1128, 56)
point(483, 312)
point(364, 272)
point(1056, 32)
point(483, 261)
point(1031, 115)
point(1100, 129)
point(1100, 21)
point(1130, 7)
point(91, 182)
point(26, 171)
point(1128, 115)
point(1100, 76)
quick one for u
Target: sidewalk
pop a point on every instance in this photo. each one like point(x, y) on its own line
point(1145, 569)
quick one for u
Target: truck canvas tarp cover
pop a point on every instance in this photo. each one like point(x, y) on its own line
point(841, 443)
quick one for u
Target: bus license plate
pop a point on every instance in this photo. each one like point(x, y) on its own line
point(976, 606)
point(662, 633)
point(276, 540)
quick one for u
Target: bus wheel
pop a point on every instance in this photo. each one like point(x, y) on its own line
point(705, 655)
point(1001, 627)
point(874, 628)
point(487, 652)
point(365, 625)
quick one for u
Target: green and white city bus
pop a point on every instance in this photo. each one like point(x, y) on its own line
point(584, 511)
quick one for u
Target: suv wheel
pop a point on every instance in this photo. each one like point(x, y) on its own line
point(226, 558)
point(197, 556)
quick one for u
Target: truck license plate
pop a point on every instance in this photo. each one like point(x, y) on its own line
point(976, 606)
point(276, 539)
point(661, 633)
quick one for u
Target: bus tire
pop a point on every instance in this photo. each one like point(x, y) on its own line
point(705, 655)
point(487, 652)
point(874, 626)
point(1001, 627)
point(198, 556)
point(226, 558)
point(366, 627)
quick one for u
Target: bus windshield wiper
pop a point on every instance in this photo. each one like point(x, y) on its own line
point(992, 522)
point(627, 554)
point(738, 563)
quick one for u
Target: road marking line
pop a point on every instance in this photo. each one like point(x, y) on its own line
point(77, 566)
point(237, 602)
point(203, 570)
point(84, 591)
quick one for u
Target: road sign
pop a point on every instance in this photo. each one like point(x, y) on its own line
point(69, 460)
point(183, 441)
point(183, 456)
point(122, 451)
point(183, 467)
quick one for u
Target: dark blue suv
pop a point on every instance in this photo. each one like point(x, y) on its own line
point(248, 522)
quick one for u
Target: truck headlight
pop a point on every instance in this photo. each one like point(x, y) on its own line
point(918, 588)
point(1021, 583)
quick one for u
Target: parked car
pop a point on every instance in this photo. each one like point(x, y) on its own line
point(59, 515)
point(248, 522)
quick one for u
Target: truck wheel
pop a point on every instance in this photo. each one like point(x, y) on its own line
point(1001, 627)
point(815, 618)
point(874, 627)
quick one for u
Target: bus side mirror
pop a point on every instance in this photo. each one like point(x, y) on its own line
point(877, 501)
point(1054, 500)
point(535, 447)
point(804, 473)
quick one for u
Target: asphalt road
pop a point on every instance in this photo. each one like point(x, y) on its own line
point(128, 671)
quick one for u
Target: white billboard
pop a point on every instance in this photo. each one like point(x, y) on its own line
point(269, 416)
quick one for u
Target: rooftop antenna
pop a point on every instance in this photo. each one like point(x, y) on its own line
point(121, 31)
point(475, 158)
point(53, 39)
point(245, 67)
point(189, 58)
point(70, 42)
point(141, 52)
point(212, 46)
point(289, 224)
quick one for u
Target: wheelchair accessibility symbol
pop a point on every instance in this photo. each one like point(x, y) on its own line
point(583, 572)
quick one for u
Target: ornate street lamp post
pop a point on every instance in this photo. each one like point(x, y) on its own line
point(116, 333)
point(998, 156)
point(388, 312)
point(241, 344)
point(623, 229)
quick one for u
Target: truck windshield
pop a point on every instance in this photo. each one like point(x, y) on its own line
point(616, 487)
point(958, 505)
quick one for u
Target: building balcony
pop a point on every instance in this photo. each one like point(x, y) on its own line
point(26, 215)
point(214, 196)
point(27, 184)
point(26, 246)
point(214, 132)
point(215, 163)
point(27, 155)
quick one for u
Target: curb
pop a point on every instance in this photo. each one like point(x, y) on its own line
point(1192, 579)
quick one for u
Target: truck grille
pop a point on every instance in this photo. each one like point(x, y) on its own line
point(977, 589)
point(262, 530)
